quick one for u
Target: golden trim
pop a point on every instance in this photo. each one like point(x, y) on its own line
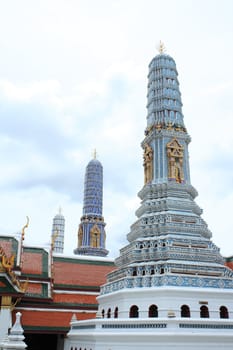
point(8, 263)
point(6, 301)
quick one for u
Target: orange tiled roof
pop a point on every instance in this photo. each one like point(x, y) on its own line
point(32, 318)
point(74, 298)
point(79, 274)
point(7, 247)
point(34, 288)
point(32, 263)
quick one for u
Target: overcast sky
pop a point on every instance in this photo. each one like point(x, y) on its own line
point(73, 77)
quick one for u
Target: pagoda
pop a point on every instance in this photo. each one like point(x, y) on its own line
point(171, 288)
point(58, 232)
point(91, 232)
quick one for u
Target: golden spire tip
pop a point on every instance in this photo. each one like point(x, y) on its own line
point(161, 47)
point(94, 153)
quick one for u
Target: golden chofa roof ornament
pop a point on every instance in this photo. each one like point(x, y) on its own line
point(23, 229)
point(161, 48)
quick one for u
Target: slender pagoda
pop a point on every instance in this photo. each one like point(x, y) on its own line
point(171, 288)
point(58, 232)
point(91, 232)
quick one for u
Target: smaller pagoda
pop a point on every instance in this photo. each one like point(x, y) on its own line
point(91, 231)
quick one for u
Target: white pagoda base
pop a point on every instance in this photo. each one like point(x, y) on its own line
point(167, 331)
point(150, 334)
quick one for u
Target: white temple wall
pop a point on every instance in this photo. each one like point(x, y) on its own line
point(168, 300)
point(138, 338)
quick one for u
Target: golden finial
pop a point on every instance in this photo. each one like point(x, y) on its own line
point(161, 47)
point(94, 153)
point(8, 263)
point(24, 227)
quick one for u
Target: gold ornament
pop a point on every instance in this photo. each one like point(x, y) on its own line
point(175, 153)
point(148, 163)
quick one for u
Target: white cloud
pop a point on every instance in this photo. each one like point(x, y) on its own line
point(27, 91)
point(215, 90)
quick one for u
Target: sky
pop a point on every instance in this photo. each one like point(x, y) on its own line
point(73, 78)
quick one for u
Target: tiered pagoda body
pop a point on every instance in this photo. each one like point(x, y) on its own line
point(171, 288)
point(91, 232)
point(58, 232)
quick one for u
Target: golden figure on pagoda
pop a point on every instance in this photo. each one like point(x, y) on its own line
point(95, 236)
point(175, 153)
point(80, 236)
point(148, 163)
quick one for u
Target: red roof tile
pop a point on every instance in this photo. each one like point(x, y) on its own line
point(32, 263)
point(74, 298)
point(34, 288)
point(80, 274)
point(50, 319)
point(7, 247)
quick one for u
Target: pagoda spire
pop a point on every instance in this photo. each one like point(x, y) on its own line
point(91, 232)
point(169, 235)
point(161, 47)
point(58, 232)
point(94, 154)
point(165, 125)
point(164, 105)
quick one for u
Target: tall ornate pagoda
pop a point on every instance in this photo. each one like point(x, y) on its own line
point(171, 288)
point(91, 232)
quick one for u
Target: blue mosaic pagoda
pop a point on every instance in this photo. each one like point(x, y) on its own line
point(169, 244)
point(91, 232)
point(171, 289)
